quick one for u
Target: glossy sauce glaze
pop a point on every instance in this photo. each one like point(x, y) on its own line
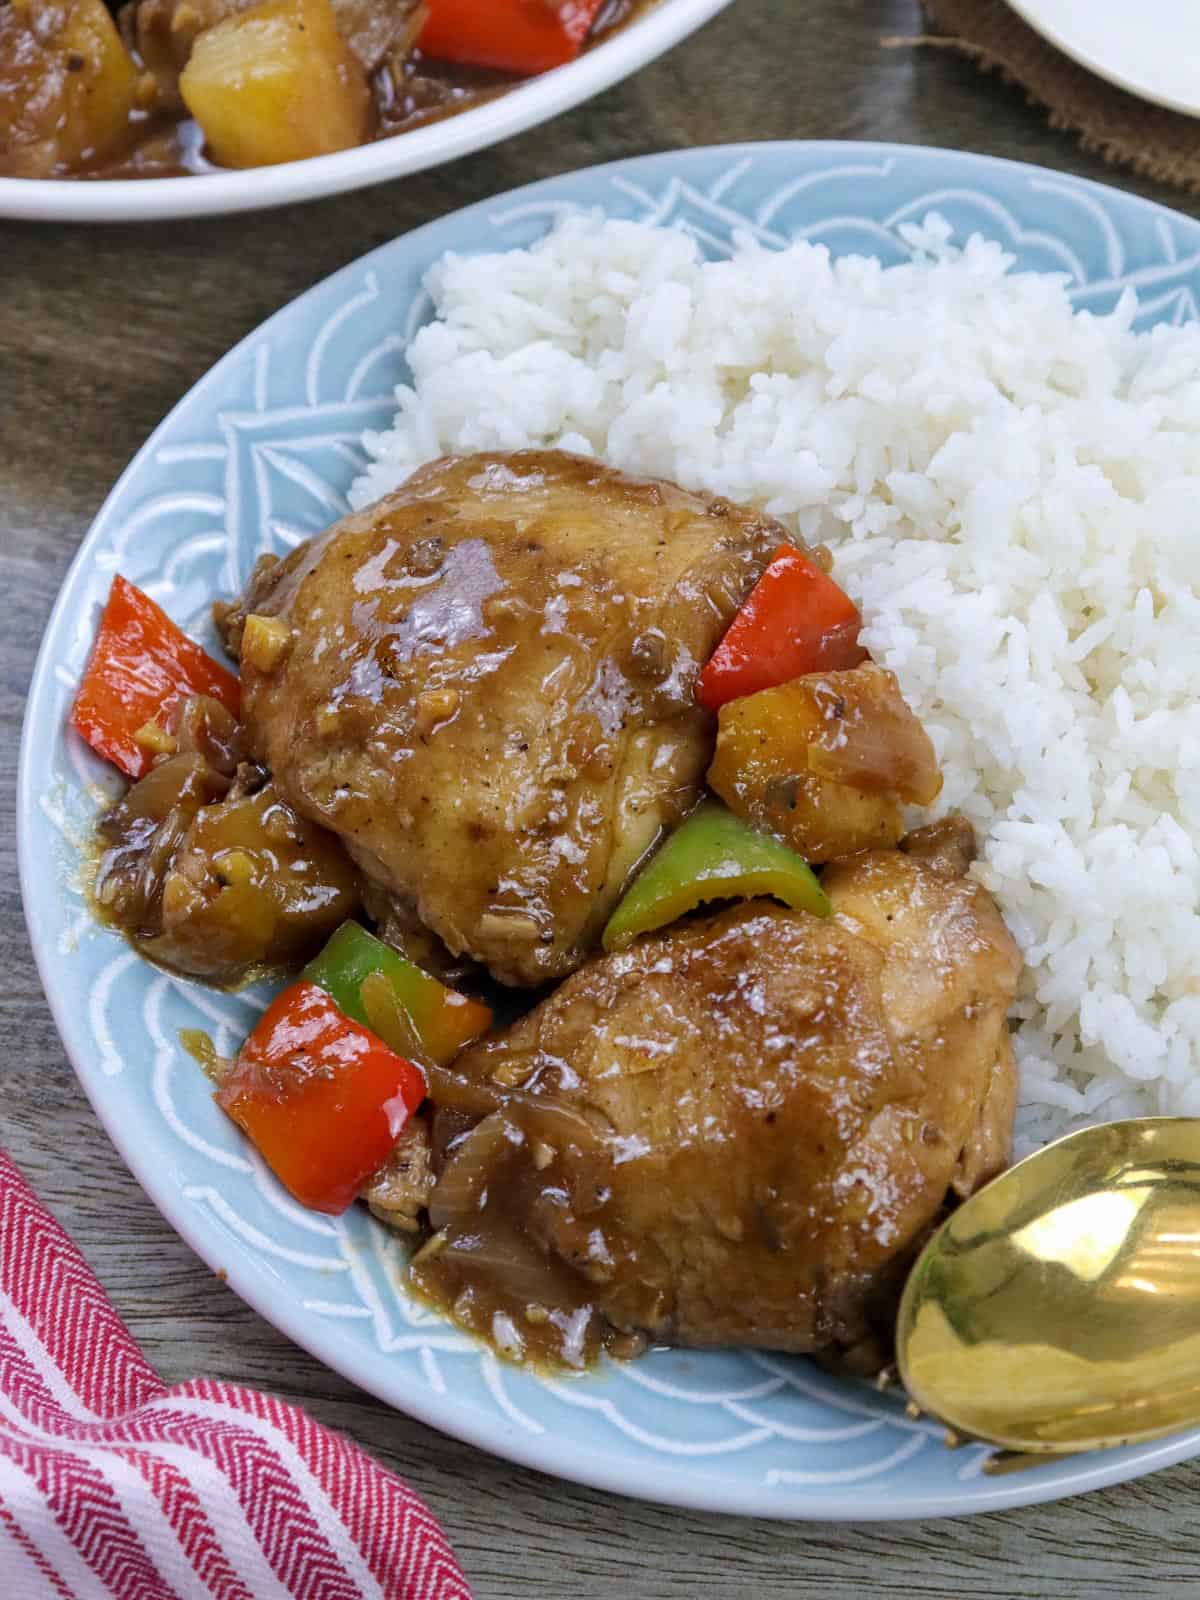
point(487, 690)
point(733, 1133)
point(613, 1182)
point(481, 691)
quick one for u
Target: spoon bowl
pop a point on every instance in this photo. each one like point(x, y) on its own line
point(1058, 1309)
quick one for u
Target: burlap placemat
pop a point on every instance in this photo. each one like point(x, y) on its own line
point(1154, 142)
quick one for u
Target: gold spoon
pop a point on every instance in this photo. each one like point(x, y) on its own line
point(1058, 1309)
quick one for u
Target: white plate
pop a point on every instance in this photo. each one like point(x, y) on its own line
point(156, 199)
point(1150, 47)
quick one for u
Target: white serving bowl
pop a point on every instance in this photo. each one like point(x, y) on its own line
point(537, 100)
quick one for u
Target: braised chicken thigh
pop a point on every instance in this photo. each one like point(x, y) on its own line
point(736, 1131)
point(485, 685)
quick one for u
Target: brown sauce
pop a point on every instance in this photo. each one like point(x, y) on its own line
point(483, 1264)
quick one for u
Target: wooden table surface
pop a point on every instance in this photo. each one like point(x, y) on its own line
point(101, 331)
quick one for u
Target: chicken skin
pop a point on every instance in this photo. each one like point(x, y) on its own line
point(949, 976)
point(737, 1131)
point(484, 684)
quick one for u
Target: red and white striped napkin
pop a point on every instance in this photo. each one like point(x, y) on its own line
point(113, 1485)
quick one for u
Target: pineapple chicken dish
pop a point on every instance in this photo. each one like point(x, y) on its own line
point(623, 976)
point(163, 88)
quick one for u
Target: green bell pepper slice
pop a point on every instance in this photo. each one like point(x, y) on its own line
point(712, 856)
point(442, 1019)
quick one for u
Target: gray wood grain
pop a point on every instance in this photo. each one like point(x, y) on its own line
point(101, 331)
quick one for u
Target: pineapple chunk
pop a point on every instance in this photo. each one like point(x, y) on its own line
point(164, 33)
point(68, 87)
point(825, 762)
point(276, 83)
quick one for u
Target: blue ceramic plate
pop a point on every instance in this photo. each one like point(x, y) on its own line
point(259, 456)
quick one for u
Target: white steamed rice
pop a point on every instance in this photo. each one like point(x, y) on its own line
point(1011, 490)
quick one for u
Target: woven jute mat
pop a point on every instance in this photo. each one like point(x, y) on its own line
point(1155, 142)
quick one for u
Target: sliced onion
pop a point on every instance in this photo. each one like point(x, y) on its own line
point(474, 1159)
point(203, 726)
point(473, 1163)
point(200, 1047)
point(509, 1259)
point(388, 1018)
point(476, 1098)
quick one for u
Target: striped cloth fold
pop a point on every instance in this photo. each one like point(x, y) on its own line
point(111, 1484)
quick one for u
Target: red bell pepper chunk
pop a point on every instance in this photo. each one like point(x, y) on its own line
point(323, 1099)
point(521, 36)
point(141, 666)
point(794, 621)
